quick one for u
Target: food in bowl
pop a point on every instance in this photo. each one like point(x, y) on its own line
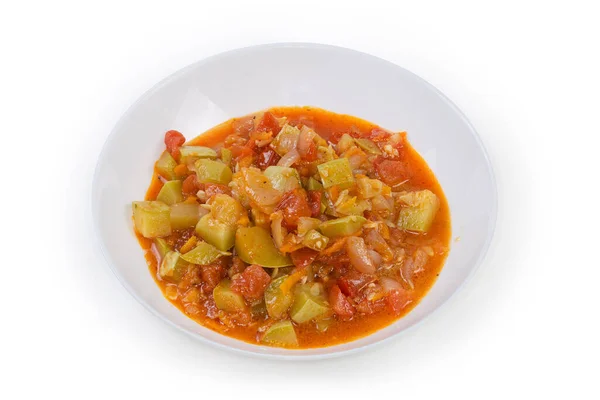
point(293, 227)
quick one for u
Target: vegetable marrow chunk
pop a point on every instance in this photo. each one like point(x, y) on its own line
point(254, 245)
point(277, 301)
point(203, 254)
point(170, 193)
point(281, 333)
point(342, 226)
point(283, 179)
point(152, 218)
point(165, 166)
point(420, 212)
point(220, 235)
point(197, 151)
point(226, 299)
point(336, 172)
point(309, 303)
point(185, 216)
point(210, 171)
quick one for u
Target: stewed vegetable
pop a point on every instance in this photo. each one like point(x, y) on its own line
point(301, 228)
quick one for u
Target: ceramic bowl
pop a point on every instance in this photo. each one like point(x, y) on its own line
point(242, 81)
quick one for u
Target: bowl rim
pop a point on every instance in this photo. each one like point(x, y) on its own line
point(293, 354)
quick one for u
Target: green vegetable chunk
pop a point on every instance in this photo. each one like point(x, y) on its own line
point(197, 151)
point(314, 240)
point(226, 156)
point(420, 212)
point(151, 218)
point(368, 145)
point(220, 235)
point(336, 172)
point(281, 334)
point(306, 224)
point(165, 166)
point(172, 266)
point(184, 215)
point(276, 300)
point(283, 178)
point(226, 299)
point(254, 245)
point(226, 209)
point(210, 171)
point(309, 303)
point(170, 193)
point(313, 184)
point(203, 254)
point(342, 226)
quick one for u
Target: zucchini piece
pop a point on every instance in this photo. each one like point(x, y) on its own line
point(342, 226)
point(281, 333)
point(165, 166)
point(203, 254)
point(226, 299)
point(369, 188)
point(197, 152)
point(170, 193)
point(172, 266)
point(210, 171)
point(283, 179)
point(254, 245)
point(226, 156)
point(151, 218)
point(278, 302)
point(309, 303)
point(336, 172)
point(185, 216)
point(314, 240)
point(313, 184)
point(420, 212)
point(345, 142)
point(220, 235)
point(368, 145)
point(285, 140)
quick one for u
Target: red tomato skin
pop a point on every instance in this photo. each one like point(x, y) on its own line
point(294, 204)
point(303, 257)
point(266, 158)
point(251, 283)
point(173, 141)
point(397, 300)
point(340, 305)
point(314, 202)
point(268, 124)
point(190, 185)
point(211, 275)
point(391, 172)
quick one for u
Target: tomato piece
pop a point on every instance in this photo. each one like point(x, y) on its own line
point(314, 202)
point(340, 305)
point(240, 151)
point(353, 282)
point(268, 123)
point(379, 135)
point(311, 153)
point(190, 185)
point(251, 283)
point(370, 307)
point(215, 188)
point(397, 300)
point(391, 172)
point(174, 140)
point(294, 204)
point(338, 261)
point(267, 157)
point(211, 274)
point(303, 257)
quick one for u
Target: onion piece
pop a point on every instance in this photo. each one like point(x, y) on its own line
point(305, 140)
point(390, 284)
point(359, 255)
point(278, 231)
point(156, 253)
point(289, 158)
point(375, 257)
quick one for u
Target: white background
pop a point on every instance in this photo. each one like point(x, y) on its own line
point(527, 76)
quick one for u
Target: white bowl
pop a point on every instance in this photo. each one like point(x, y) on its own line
point(250, 79)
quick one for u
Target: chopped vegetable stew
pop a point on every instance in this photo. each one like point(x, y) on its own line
point(294, 227)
